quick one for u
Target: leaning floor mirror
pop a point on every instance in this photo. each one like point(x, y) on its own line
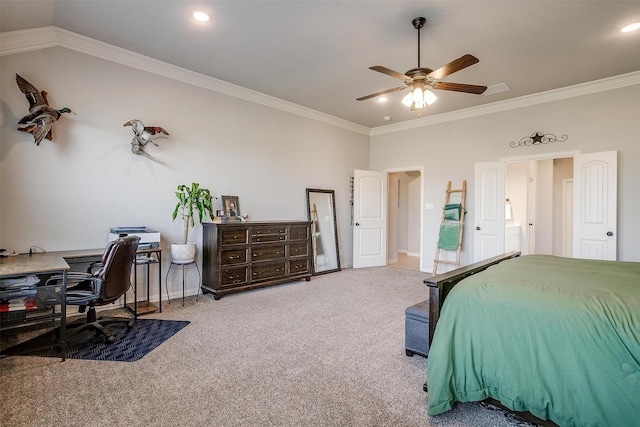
point(321, 208)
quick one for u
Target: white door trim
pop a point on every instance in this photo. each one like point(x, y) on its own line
point(421, 170)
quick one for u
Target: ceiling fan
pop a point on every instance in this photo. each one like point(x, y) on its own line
point(420, 79)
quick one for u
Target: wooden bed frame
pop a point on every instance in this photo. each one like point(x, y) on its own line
point(440, 285)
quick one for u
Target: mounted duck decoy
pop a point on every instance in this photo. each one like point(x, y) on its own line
point(41, 116)
point(142, 135)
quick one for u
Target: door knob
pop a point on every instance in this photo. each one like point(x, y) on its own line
point(609, 233)
point(478, 228)
point(357, 224)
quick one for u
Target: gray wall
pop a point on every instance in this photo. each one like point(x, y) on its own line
point(66, 193)
point(603, 121)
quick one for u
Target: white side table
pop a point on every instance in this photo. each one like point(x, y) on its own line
point(184, 266)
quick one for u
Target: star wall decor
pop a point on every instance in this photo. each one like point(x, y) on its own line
point(538, 138)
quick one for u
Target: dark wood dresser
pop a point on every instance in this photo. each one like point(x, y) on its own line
point(238, 256)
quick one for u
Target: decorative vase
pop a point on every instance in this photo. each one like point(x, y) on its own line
point(183, 253)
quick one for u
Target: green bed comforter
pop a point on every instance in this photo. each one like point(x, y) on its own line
point(558, 337)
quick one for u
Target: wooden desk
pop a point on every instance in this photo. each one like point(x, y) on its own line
point(41, 263)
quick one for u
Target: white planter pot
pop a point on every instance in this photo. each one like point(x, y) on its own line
point(183, 254)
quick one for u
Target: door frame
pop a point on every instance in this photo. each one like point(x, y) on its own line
point(421, 214)
point(534, 157)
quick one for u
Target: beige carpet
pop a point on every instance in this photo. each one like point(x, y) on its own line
point(329, 352)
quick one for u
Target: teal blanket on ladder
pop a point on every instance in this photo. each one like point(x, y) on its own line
point(452, 212)
point(448, 237)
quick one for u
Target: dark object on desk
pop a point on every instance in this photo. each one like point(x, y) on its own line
point(105, 286)
point(131, 343)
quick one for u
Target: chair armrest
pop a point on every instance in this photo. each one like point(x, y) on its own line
point(93, 266)
point(72, 277)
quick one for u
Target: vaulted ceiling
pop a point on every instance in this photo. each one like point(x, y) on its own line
point(316, 53)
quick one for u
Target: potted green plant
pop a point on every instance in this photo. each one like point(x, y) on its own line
point(192, 201)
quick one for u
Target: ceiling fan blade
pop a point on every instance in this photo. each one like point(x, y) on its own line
point(373, 95)
point(387, 71)
point(453, 66)
point(459, 87)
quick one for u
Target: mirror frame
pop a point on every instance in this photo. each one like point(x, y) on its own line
point(331, 193)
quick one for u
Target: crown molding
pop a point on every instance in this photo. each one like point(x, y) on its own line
point(41, 38)
point(616, 82)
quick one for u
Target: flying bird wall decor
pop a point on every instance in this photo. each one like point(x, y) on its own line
point(142, 135)
point(41, 116)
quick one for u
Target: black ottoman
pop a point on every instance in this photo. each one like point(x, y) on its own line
point(416, 329)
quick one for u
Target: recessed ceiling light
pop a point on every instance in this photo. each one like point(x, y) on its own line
point(382, 99)
point(631, 27)
point(201, 16)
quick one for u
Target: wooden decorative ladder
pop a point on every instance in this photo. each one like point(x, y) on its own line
point(448, 224)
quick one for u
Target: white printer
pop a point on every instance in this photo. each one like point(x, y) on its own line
point(148, 238)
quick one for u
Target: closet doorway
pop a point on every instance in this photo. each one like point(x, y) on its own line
point(539, 210)
point(404, 219)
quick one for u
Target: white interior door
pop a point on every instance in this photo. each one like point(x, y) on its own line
point(567, 218)
point(369, 218)
point(489, 202)
point(595, 205)
point(531, 215)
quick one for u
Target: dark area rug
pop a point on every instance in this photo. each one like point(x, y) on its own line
point(130, 344)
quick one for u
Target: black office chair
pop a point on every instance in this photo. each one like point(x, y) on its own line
point(110, 280)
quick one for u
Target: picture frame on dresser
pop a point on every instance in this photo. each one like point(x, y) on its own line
point(231, 206)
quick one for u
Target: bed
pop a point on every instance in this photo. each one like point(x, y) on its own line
point(555, 337)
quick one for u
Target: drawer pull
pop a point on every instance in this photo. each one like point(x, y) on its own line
point(234, 257)
point(257, 254)
point(279, 269)
point(281, 237)
point(257, 273)
point(257, 240)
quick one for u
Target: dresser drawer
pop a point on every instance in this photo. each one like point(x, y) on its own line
point(233, 276)
point(268, 238)
point(233, 237)
point(267, 271)
point(266, 230)
point(298, 267)
point(299, 233)
point(233, 256)
point(298, 249)
point(267, 253)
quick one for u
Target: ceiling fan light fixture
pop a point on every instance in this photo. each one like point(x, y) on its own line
point(418, 96)
point(429, 97)
point(408, 99)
